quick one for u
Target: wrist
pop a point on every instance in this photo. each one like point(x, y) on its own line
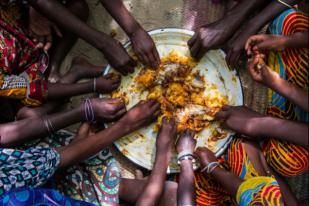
point(81, 112)
point(131, 32)
point(285, 42)
point(125, 127)
point(103, 44)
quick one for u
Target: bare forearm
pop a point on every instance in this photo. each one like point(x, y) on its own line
point(28, 129)
point(267, 14)
point(291, 131)
point(227, 179)
point(58, 90)
point(240, 13)
point(297, 40)
point(290, 91)
point(186, 188)
point(155, 184)
point(86, 147)
point(120, 13)
point(56, 12)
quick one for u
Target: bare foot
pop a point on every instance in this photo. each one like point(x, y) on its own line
point(82, 69)
point(54, 75)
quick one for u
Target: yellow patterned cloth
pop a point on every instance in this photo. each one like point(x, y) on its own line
point(292, 65)
point(209, 192)
point(263, 191)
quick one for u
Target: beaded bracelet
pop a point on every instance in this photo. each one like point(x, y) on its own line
point(210, 167)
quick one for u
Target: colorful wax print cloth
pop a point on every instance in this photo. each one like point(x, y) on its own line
point(26, 196)
point(292, 65)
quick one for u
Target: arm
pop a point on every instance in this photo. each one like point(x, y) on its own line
point(228, 180)
point(290, 91)
point(27, 129)
point(245, 121)
point(260, 43)
point(215, 35)
point(271, 79)
point(255, 24)
point(291, 131)
point(139, 116)
point(186, 187)
point(267, 14)
point(142, 43)
point(154, 187)
point(112, 49)
point(298, 40)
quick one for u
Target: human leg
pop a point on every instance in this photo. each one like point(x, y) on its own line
point(64, 44)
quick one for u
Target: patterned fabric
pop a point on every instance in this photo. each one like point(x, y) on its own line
point(292, 65)
point(95, 180)
point(262, 191)
point(31, 167)
point(23, 68)
point(210, 192)
point(37, 196)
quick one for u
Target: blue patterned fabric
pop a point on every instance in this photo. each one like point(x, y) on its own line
point(31, 167)
point(26, 196)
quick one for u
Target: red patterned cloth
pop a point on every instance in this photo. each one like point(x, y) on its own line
point(23, 68)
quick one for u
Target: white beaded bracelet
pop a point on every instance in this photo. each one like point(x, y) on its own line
point(210, 167)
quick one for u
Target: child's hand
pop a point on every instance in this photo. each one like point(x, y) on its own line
point(145, 48)
point(241, 119)
point(108, 109)
point(265, 42)
point(40, 30)
point(166, 135)
point(118, 57)
point(140, 115)
point(205, 156)
point(106, 84)
point(260, 72)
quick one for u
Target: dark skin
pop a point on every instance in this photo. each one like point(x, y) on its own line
point(186, 188)
point(131, 189)
point(80, 69)
point(248, 122)
point(272, 80)
point(265, 42)
point(134, 119)
point(19, 131)
point(227, 179)
point(112, 49)
point(155, 184)
point(57, 40)
point(231, 182)
point(215, 35)
point(254, 25)
point(142, 43)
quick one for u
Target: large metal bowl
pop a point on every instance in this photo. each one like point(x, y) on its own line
point(139, 146)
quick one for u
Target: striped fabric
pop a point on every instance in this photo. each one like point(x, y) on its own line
point(292, 64)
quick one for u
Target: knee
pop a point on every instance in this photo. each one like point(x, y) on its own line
point(80, 9)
